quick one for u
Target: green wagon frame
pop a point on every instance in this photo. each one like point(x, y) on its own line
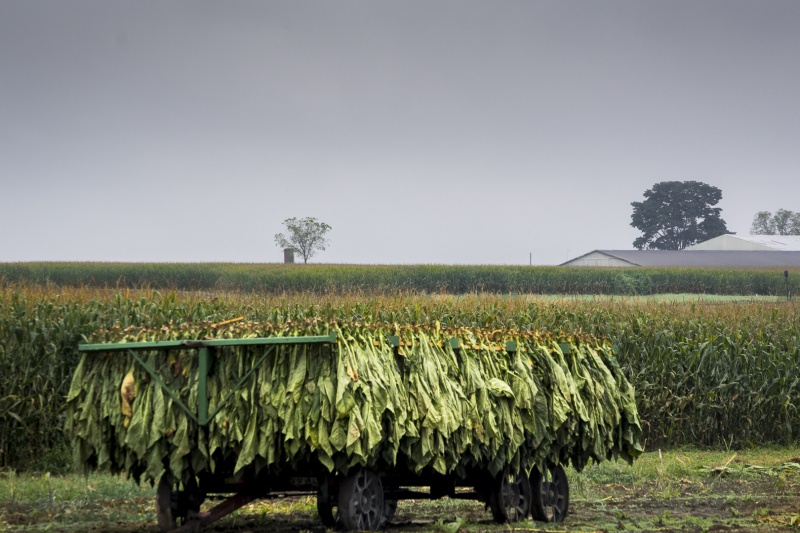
point(363, 499)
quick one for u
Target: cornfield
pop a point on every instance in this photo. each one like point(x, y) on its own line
point(711, 374)
point(390, 279)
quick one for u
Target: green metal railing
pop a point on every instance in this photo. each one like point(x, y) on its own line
point(205, 352)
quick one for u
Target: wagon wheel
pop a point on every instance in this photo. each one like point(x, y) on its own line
point(173, 506)
point(166, 505)
point(361, 501)
point(550, 494)
point(327, 503)
point(389, 508)
point(510, 497)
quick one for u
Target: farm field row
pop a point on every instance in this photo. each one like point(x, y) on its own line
point(679, 490)
point(387, 279)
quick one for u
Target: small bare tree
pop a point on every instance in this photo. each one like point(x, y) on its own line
point(305, 235)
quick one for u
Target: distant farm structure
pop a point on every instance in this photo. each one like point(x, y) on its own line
point(723, 251)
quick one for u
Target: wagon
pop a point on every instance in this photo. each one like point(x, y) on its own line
point(357, 498)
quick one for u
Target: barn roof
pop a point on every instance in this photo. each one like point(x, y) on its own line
point(786, 243)
point(701, 258)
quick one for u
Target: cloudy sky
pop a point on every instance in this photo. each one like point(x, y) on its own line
point(454, 132)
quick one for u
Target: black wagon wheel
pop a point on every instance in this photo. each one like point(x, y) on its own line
point(510, 496)
point(166, 505)
point(361, 501)
point(327, 503)
point(550, 494)
point(174, 506)
point(389, 508)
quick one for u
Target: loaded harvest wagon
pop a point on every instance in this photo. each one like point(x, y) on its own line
point(362, 415)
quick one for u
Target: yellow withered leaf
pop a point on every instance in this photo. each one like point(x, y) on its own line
point(128, 393)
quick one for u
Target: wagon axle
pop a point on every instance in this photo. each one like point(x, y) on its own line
point(366, 501)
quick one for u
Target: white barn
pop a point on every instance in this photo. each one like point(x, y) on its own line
point(686, 258)
point(723, 251)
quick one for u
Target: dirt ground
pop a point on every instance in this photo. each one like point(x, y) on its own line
point(742, 499)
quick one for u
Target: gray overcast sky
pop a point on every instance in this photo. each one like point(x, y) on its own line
point(451, 132)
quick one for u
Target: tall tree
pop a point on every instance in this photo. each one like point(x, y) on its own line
point(783, 222)
point(677, 214)
point(305, 235)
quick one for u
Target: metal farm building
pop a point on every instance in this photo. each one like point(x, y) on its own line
point(723, 251)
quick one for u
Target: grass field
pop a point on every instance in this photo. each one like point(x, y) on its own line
point(678, 490)
point(681, 298)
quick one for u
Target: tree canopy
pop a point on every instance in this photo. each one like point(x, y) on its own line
point(305, 235)
point(677, 214)
point(783, 222)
